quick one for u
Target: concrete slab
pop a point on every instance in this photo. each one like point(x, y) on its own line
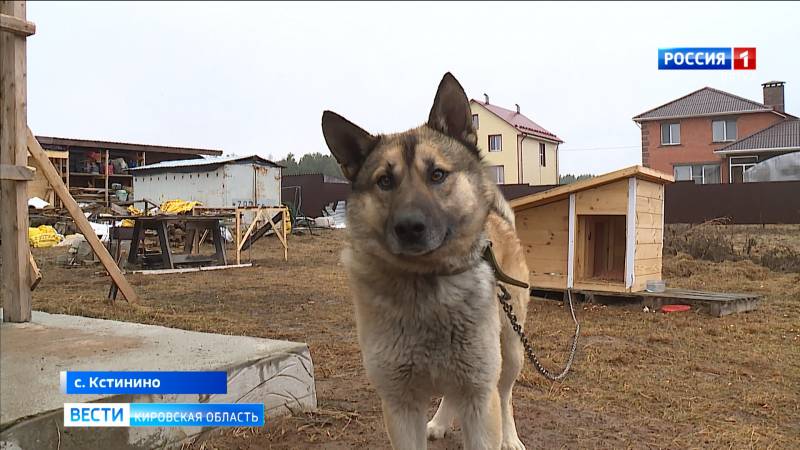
point(32, 355)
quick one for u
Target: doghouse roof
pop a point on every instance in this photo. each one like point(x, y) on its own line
point(562, 192)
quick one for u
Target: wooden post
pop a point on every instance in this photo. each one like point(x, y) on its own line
point(238, 236)
point(106, 172)
point(16, 283)
point(82, 223)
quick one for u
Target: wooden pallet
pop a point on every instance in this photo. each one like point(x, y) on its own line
point(717, 304)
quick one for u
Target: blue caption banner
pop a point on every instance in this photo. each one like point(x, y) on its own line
point(144, 382)
point(695, 58)
point(164, 414)
point(197, 414)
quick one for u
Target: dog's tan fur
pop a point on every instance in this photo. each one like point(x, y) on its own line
point(430, 323)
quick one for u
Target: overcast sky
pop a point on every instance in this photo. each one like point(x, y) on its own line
point(255, 77)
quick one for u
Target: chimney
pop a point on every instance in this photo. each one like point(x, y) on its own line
point(773, 95)
point(486, 96)
point(517, 105)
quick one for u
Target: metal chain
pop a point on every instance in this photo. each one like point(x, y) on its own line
point(509, 310)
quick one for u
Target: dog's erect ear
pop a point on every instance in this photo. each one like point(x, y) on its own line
point(450, 113)
point(349, 144)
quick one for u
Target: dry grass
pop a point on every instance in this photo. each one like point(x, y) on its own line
point(774, 246)
point(641, 380)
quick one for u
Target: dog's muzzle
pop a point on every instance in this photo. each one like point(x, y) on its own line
point(414, 233)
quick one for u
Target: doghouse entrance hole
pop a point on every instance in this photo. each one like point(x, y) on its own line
point(601, 248)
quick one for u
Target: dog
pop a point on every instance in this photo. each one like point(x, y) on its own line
point(429, 321)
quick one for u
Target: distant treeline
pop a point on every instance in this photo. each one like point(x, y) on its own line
point(311, 163)
point(570, 178)
point(327, 165)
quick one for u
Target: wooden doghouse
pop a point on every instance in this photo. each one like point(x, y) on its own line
point(601, 234)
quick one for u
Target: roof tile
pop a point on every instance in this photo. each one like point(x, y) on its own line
point(519, 121)
point(703, 102)
point(784, 134)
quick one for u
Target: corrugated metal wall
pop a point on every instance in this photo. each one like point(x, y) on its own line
point(224, 187)
point(742, 203)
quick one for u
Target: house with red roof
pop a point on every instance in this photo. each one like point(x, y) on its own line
point(517, 149)
point(710, 136)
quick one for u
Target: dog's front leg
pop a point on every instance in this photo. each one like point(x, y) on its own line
point(405, 422)
point(481, 422)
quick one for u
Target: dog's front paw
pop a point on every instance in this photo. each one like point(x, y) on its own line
point(436, 431)
point(512, 443)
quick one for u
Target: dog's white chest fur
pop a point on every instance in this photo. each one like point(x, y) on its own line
point(426, 335)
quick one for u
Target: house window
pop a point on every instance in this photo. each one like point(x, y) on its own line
point(542, 155)
point(670, 133)
point(723, 130)
point(497, 174)
point(475, 122)
point(738, 164)
point(699, 173)
point(495, 142)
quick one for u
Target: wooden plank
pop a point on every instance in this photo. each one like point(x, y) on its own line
point(649, 220)
point(34, 273)
point(604, 200)
point(545, 237)
point(81, 222)
point(631, 222)
point(189, 269)
point(649, 251)
point(647, 267)
point(648, 236)
point(707, 305)
point(553, 216)
point(545, 281)
point(282, 236)
point(238, 236)
point(14, 251)
point(250, 229)
point(641, 281)
point(551, 252)
point(16, 173)
point(16, 25)
point(582, 250)
point(649, 205)
point(545, 265)
point(649, 189)
point(106, 178)
point(603, 286)
point(571, 242)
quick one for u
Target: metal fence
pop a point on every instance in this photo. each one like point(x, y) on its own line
point(740, 203)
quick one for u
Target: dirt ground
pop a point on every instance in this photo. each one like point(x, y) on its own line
point(640, 380)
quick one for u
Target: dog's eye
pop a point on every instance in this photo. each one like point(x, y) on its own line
point(385, 182)
point(438, 175)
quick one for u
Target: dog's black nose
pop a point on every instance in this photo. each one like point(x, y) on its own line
point(410, 227)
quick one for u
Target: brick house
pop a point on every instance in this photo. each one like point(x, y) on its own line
point(695, 137)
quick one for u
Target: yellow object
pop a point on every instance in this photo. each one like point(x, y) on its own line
point(43, 236)
point(517, 147)
point(135, 211)
point(127, 223)
point(177, 206)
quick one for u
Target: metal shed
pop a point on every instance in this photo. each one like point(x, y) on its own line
point(216, 182)
point(603, 234)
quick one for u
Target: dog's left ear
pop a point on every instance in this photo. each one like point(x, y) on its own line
point(450, 113)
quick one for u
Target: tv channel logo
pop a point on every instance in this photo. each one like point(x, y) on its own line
point(707, 58)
